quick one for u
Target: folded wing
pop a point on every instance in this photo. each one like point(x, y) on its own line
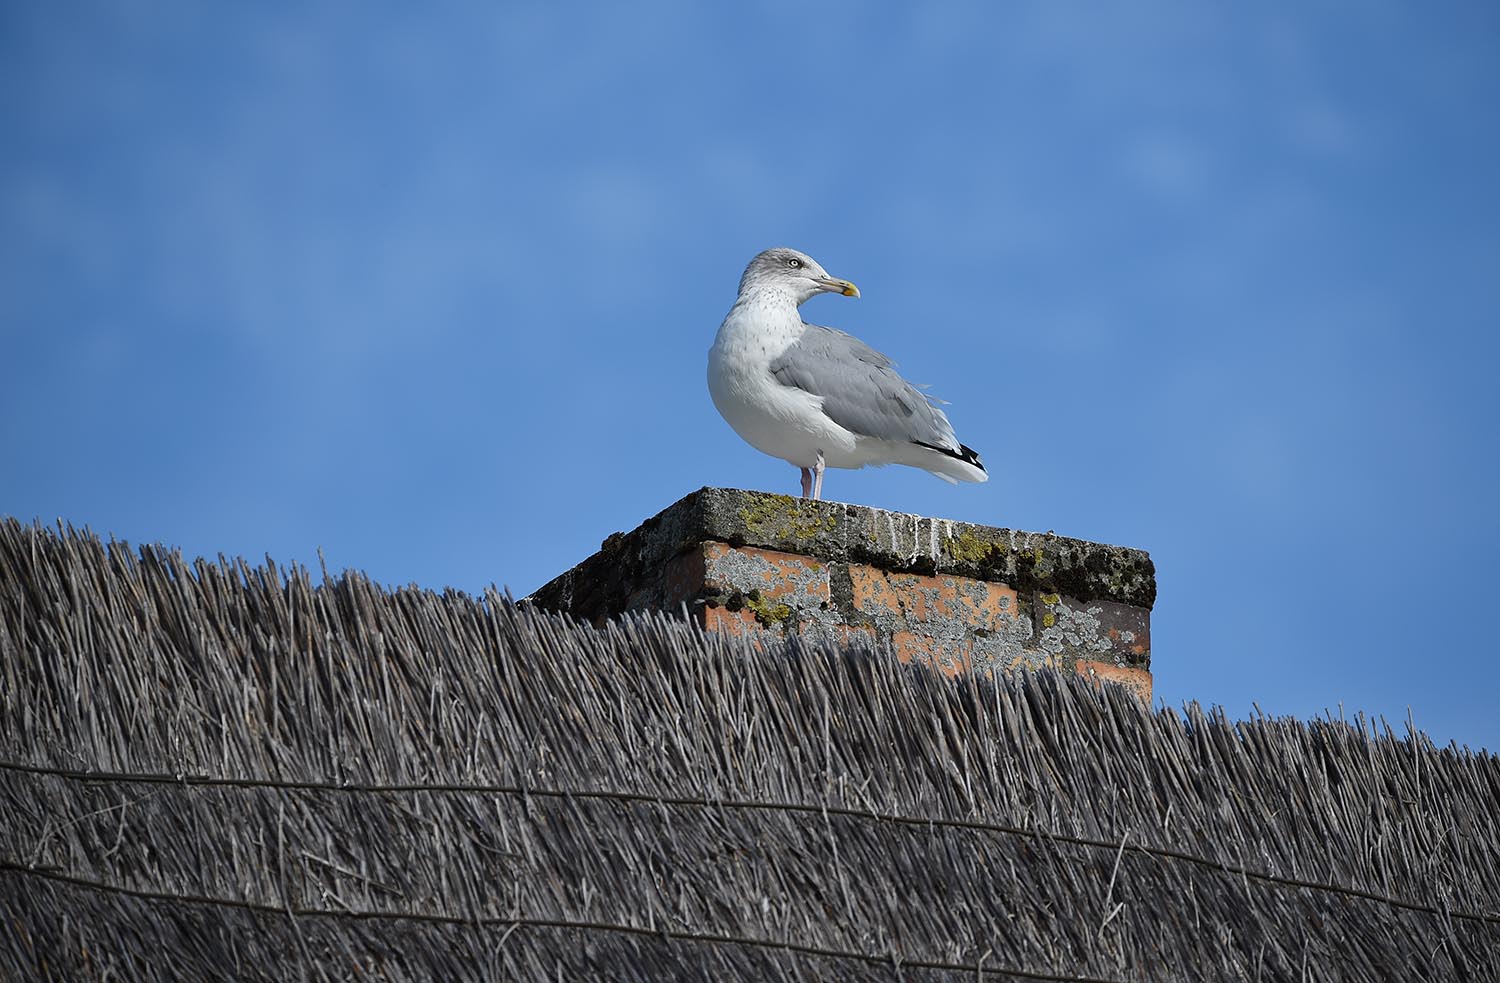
point(861, 390)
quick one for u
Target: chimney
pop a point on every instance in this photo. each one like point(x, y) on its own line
point(952, 595)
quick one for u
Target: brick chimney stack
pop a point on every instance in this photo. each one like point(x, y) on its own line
point(950, 594)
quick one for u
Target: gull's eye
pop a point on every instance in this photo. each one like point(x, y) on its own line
point(794, 262)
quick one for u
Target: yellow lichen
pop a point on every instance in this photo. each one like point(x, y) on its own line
point(967, 547)
point(783, 516)
point(1048, 618)
point(767, 612)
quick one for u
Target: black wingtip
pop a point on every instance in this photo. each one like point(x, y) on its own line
point(966, 454)
point(970, 456)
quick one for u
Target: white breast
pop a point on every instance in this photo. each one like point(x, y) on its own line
point(778, 420)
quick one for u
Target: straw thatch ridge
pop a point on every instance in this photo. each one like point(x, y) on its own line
point(218, 771)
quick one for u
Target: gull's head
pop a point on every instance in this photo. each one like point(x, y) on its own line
point(798, 275)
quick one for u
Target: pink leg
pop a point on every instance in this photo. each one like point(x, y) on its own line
point(818, 478)
point(807, 482)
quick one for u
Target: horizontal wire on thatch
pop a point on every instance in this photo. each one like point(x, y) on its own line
point(1162, 853)
point(562, 801)
point(979, 969)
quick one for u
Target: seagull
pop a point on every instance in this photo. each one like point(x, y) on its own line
point(817, 397)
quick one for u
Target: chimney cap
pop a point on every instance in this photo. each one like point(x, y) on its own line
point(893, 541)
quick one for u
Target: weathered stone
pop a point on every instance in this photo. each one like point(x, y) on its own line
point(951, 594)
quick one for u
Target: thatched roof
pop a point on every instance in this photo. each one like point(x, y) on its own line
point(217, 771)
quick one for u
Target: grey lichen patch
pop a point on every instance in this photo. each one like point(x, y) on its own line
point(1007, 647)
point(1070, 633)
point(790, 596)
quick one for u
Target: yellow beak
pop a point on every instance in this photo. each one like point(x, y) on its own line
point(836, 286)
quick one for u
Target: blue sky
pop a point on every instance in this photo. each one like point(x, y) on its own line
point(432, 289)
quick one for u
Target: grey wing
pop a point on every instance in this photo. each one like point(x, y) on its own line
point(860, 389)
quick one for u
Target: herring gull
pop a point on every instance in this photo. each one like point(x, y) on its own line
point(817, 397)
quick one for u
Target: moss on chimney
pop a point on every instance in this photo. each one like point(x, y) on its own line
point(782, 516)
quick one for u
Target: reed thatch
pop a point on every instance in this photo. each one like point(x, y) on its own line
point(215, 771)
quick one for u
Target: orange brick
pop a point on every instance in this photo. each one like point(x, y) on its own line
point(872, 591)
point(922, 598)
point(1138, 681)
point(910, 646)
